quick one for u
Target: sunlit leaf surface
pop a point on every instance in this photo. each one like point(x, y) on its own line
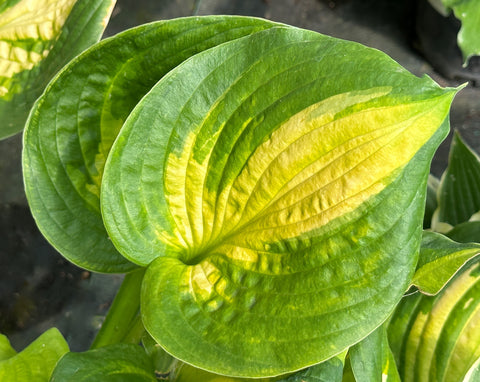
point(276, 196)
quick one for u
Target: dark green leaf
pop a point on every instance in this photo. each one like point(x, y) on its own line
point(467, 232)
point(458, 194)
point(114, 363)
point(347, 371)
point(401, 323)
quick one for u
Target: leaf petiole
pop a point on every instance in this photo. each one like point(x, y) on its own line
point(123, 322)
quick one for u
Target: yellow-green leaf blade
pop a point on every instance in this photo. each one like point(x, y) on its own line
point(440, 258)
point(277, 203)
point(37, 361)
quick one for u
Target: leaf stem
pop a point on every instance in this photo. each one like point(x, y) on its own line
point(121, 321)
point(136, 331)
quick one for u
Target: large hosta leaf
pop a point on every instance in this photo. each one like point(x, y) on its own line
point(36, 39)
point(437, 338)
point(275, 186)
point(75, 122)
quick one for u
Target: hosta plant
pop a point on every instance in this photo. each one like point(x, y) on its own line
point(262, 186)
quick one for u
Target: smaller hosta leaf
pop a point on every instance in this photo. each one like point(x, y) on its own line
point(37, 361)
point(467, 232)
point(37, 38)
point(458, 193)
point(401, 323)
point(440, 258)
point(436, 338)
point(372, 360)
point(120, 362)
